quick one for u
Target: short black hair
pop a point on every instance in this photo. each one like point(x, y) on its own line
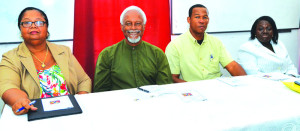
point(194, 6)
point(32, 8)
point(271, 21)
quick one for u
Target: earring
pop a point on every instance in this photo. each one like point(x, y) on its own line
point(48, 34)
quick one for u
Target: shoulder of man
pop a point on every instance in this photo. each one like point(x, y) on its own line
point(180, 39)
point(110, 50)
point(152, 47)
point(211, 37)
point(112, 47)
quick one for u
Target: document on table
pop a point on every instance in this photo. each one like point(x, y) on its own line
point(158, 91)
point(57, 103)
point(275, 76)
point(191, 95)
point(233, 81)
point(146, 92)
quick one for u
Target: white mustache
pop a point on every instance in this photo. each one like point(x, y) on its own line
point(133, 31)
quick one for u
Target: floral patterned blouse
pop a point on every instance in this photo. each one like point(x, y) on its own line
point(52, 82)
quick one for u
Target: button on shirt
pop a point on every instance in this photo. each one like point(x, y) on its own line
point(122, 66)
point(197, 62)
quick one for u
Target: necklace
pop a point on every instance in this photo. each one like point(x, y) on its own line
point(43, 63)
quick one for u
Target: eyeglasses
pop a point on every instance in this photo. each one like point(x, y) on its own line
point(27, 24)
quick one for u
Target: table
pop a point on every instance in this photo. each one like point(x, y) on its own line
point(254, 104)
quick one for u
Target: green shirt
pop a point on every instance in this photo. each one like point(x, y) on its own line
point(122, 66)
point(197, 62)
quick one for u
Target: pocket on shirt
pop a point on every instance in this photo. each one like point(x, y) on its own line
point(213, 68)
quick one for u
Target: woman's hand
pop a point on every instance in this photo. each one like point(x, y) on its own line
point(23, 102)
point(17, 99)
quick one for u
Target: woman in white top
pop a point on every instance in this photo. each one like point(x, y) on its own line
point(264, 53)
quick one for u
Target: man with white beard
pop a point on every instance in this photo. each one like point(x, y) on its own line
point(132, 62)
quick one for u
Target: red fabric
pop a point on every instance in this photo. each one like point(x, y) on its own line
point(97, 26)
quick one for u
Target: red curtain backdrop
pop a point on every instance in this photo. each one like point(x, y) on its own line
point(97, 26)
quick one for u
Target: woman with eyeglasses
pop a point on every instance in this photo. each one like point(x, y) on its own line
point(38, 68)
point(264, 53)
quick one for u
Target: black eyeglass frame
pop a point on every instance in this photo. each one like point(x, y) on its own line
point(35, 23)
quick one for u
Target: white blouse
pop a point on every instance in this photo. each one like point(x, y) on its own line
point(255, 58)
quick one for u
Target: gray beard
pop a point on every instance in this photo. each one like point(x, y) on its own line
point(134, 40)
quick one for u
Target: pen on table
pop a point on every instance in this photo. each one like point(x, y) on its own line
point(22, 108)
point(143, 90)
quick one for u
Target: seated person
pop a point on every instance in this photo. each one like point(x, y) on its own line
point(195, 55)
point(132, 62)
point(264, 53)
point(38, 68)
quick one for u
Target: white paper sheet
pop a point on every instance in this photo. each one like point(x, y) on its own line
point(161, 93)
point(275, 76)
point(232, 81)
point(57, 103)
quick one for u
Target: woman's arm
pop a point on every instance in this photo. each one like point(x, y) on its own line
point(10, 83)
point(17, 99)
point(84, 83)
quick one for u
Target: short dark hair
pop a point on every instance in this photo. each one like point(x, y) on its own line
point(274, 28)
point(194, 6)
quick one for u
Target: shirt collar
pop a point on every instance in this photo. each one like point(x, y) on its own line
point(23, 50)
point(258, 44)
point(132, 47)
point(194, 41)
